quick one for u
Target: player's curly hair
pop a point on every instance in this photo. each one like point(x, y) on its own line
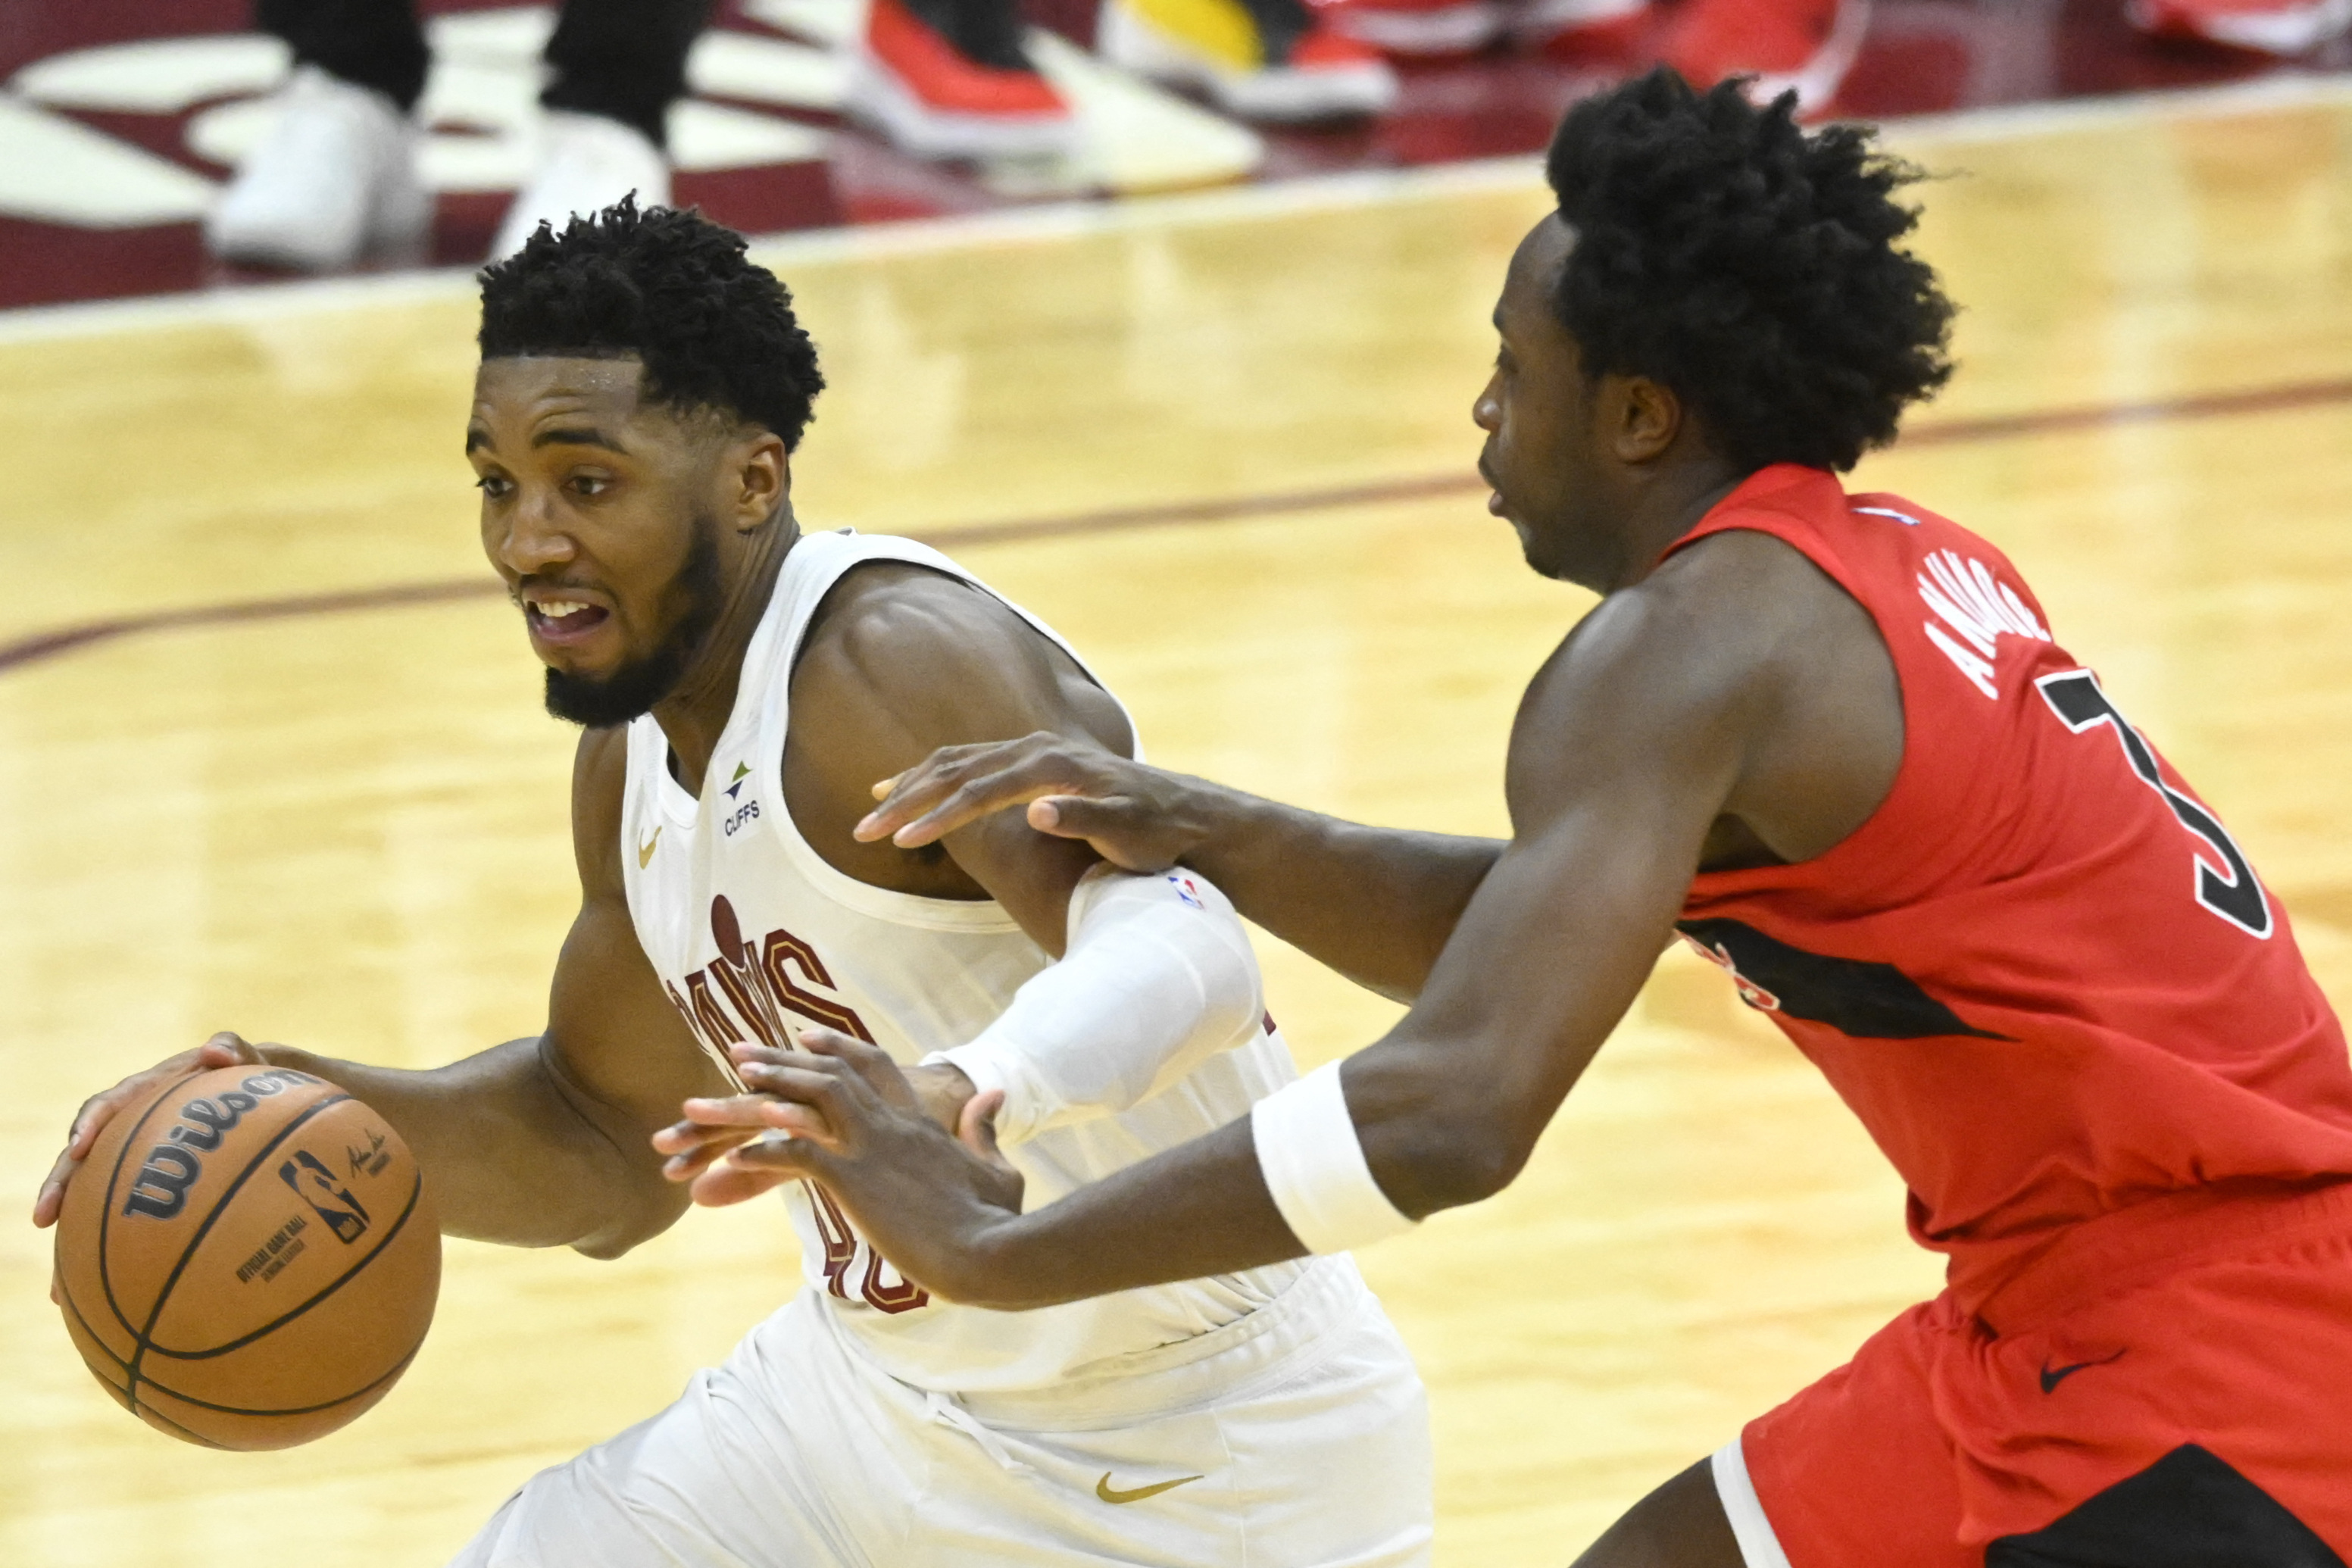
point(673, 289)
point(1747, 265)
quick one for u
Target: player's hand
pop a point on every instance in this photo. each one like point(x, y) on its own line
point(223, 1050)
point(712, 1127)
point(841, 1113)
point(1137, 817)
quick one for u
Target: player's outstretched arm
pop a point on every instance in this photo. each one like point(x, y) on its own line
point(1665, 729)
point(1376, 904)
point(538, 1142)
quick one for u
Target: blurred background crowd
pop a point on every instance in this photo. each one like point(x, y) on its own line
point(319, 135)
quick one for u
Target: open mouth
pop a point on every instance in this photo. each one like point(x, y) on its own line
point(564, 620)
point(1494, 491)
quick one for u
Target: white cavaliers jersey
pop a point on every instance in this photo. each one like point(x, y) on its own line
point(752, 933)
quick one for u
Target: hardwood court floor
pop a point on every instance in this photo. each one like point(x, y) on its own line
point(346, 829)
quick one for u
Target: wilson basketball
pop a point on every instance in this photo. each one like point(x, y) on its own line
point(248, 1259)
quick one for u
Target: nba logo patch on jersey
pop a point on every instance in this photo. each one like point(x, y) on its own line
point(1185, 890)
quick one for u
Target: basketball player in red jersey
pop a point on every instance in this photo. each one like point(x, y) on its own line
point(1829, 741)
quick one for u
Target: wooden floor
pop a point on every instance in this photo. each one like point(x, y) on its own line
point(347, 830)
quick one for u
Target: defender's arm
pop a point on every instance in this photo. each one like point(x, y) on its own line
point(1375, 903)
point(1635, 741)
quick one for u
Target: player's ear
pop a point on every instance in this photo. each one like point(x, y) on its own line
point(1644, 417)
point(760, 478)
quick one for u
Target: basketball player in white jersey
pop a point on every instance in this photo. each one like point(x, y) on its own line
point(641, 389)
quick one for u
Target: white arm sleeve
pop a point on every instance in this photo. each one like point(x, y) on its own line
point(1158, 977)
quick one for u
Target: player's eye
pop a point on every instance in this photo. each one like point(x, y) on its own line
point(590, 484)
point(492, 486)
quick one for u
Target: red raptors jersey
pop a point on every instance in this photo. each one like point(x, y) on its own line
point(2042, 974)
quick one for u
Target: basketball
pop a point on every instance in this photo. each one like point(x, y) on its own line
point(249, 1259)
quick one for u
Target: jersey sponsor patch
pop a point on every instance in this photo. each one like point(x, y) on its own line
point(1868, 1001)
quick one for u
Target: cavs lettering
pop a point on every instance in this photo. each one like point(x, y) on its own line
point(763, 993)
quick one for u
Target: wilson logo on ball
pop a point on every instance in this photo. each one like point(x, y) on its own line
point(161, 1189)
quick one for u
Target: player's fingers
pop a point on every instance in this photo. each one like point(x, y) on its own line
point(692, 1137)
point(228, 1049)
point(1120, 827)
point(81, 1138)
point(788, 1156)
point(869, 1061)
point(756, 1112)
point(51, 1198)
point(685, 1164)
point(704, 1113)
point(919, 788)
point(90, 1120)
point(820, 1041)
point(813, 1078)
point(959, 785)
point(978, 796)
point(725, 1183)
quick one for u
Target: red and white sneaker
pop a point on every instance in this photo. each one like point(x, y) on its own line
point(1258, 59)
point(2285, 27)
point(952, 80)
point(1807, 45)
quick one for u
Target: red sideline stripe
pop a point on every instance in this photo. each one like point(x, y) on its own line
point(1949, 432)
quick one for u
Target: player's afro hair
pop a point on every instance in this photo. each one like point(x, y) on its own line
point(673, 290)
point(1749, 266)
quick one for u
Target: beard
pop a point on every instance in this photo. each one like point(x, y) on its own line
point(630, 693)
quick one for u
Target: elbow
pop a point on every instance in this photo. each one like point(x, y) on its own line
point(649, 1211)
point(1457, 1155)
point(1472, 1167)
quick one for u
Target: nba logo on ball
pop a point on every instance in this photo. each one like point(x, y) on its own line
point(309, 1176)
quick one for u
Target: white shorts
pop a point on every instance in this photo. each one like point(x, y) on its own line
point(1301, 1433)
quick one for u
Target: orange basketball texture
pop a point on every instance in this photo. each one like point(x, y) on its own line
point(249, 1257)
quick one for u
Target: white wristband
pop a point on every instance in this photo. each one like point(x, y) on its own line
point(1314, 1166)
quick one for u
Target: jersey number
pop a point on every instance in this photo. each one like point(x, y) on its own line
point(761, 986)
point(2229, 889)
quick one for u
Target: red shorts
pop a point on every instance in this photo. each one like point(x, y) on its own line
point(2169, 1387)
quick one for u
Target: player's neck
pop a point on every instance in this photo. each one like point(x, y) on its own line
point(1667, 506)
point(695, 713)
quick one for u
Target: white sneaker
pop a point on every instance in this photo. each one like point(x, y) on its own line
point(335, 178)
point(586, 163)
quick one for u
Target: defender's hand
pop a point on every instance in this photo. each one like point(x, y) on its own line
point(839, 1112)
point(713, 1127)
point(1137, 817)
